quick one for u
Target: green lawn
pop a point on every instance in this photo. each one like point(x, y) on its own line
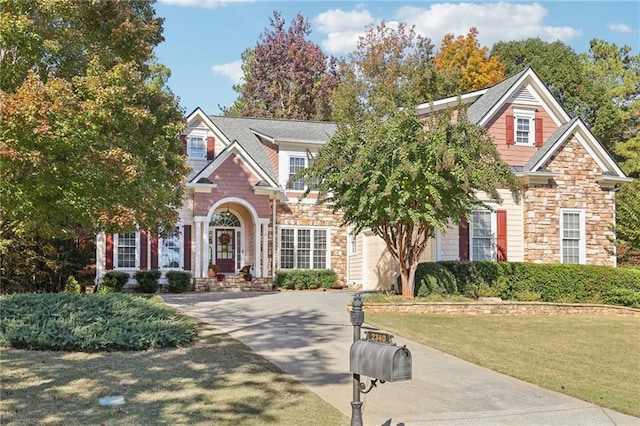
point(594, 358)
point(217, 381)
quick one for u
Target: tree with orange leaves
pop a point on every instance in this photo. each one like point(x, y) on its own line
point(463, 58)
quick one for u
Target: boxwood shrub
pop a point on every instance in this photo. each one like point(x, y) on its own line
point(179, 281)
point(91, 322)
point(533, 281)
point(303, 279)
point(121, 279)
point(147, 280)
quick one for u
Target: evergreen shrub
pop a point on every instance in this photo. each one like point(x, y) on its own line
point(179, 281)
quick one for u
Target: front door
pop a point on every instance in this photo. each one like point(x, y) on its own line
point(225, 249)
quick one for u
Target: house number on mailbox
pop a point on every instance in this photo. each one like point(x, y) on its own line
point(378, 337)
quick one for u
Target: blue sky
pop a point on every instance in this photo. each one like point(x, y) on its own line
point(205, 38)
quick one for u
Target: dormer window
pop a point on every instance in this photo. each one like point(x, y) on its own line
point(524, 128)
point(197, 148)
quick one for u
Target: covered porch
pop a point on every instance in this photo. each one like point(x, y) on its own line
point(230, 238)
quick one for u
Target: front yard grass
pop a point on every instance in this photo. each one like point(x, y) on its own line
point(217, 381)
point(593, 358)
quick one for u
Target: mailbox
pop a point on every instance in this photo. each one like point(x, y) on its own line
point(383, 361)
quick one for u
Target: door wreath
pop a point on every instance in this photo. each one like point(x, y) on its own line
point(224, 238)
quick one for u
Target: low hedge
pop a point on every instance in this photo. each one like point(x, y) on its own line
point(91, 322)
point(305, 279)
point(532, 281)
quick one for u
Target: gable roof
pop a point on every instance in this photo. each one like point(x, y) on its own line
point(489, 104)
point(243, 135)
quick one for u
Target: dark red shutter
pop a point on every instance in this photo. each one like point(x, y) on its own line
point(154, 250)
point(463, 240)
point(510, 133)
point(501, 219)
point(538, 124)
point(186, 229)
point(211, 145)
point(108, 256)
point(143, 250)
point(184, 139)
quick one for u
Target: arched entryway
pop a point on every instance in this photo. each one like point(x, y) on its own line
point(226, 245)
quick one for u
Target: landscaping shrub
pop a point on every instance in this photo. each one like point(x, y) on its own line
point(179, 281)
point(147, 280)
point(545, 282)
point(91, 322)
point(301, 279)
point(72, 285)
point(108, 285)
point(122, 278)
point(434, 279)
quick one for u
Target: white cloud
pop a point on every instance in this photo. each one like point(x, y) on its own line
point(207, 4)
point(343, 29)
point(501, 21)
point(495, 22)
point(619, 28)
point(232, 71)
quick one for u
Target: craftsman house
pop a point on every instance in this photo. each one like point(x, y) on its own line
point(242, 208)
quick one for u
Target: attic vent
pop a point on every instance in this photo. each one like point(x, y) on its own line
point(523, 96)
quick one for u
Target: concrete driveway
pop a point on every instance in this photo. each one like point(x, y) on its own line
point(308, 335)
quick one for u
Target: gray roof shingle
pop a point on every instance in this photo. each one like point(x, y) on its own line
point(242, 130)
point(560, 131)
point(483, 105)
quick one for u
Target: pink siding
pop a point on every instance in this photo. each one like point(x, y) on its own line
point(516, 155)
point(272, 154)
point(234, 179)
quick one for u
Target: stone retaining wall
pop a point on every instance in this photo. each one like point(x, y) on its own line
point(501, 308)
point(232, 283)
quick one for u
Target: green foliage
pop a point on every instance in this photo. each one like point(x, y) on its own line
point(91, 322)
point(121, 279)
point(86, 108)
point(72, 285)
point(147, 280)
point(541, 282)
point(109, 285)
point(179, 281)
point(302, 279)
point(382, 170)
point(44, 264)
point(434, 279)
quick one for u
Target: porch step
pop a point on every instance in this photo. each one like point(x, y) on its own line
point(233, 283)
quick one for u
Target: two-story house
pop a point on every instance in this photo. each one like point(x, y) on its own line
point(242, 206)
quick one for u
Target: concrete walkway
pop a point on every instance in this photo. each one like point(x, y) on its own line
point(308, 335)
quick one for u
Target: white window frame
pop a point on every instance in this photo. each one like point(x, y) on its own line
point(179, 232)
point(528, 115)
point(312, 249)
point(492, 238)
point(581, 239)
point(352, 243)
point(290, 174)
point(190, 146)
point(116, 244)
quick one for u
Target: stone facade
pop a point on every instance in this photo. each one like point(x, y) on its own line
point(320, 215)
point(574, 187)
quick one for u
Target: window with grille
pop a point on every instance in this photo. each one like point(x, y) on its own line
point(197, 147)
point(303, 248)
point(170, 251)
point(295, 165)
point(482, 236)
point(126, 250)
point(572, 227)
